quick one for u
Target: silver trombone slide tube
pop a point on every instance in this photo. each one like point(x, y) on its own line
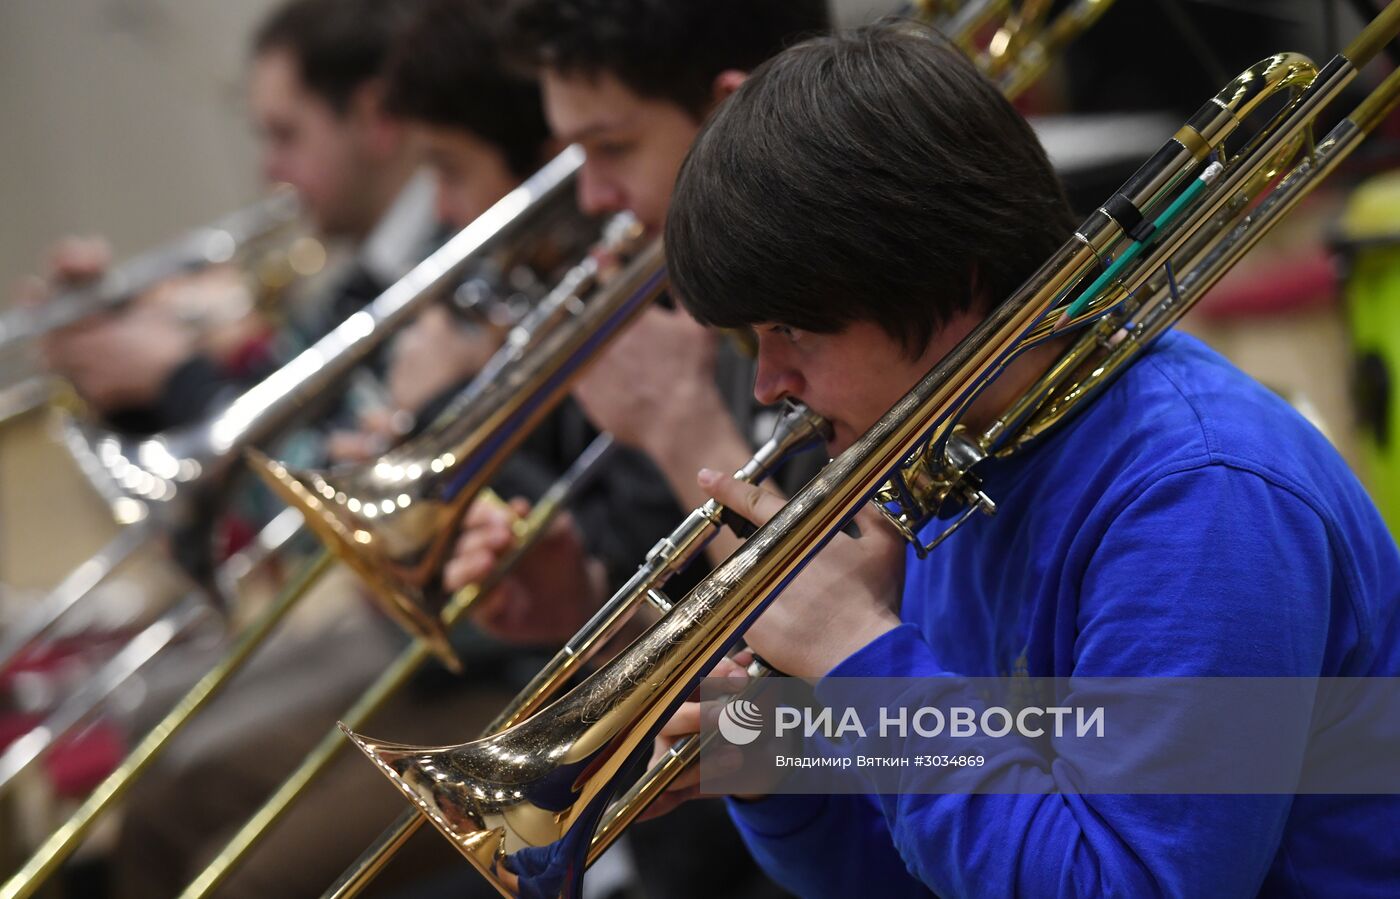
point(168, 479)
point(154, 638)
point(212, 244)
point(42, 615)
point(23, 397)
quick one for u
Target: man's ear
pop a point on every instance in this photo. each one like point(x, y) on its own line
point(726, 83)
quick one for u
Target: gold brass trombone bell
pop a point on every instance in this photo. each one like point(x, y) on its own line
point(394, 520)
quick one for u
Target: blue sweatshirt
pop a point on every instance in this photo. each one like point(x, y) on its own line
point(1188, 523)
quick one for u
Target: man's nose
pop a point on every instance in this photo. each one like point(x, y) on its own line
point(774, 381)
point(597, 194)
point(274, 168)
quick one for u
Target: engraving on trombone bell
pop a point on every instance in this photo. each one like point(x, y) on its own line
point(622, 677)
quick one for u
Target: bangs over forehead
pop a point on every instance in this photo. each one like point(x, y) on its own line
point(873, 175)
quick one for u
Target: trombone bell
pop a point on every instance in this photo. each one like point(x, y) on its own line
point(394, 521)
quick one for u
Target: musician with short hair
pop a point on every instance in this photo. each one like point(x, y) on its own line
point(316, 100)
point(631, 82)
point(862, 202)
point(335, 96)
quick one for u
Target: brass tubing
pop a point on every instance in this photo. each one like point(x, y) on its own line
point(77, 708)
point(373, 860)
point(20, 399)
point(1329, 153)
point(1035, 57)
point(1323, 89)
point(63, 841)
point(649, 787)
point(1373, 37)
point(399, 673)
point(963, 23)
point(394, 678)
point(1328, 84)
point(216, 243)
point(673, 553)
point(394, 520)
point(643, 793)
point(1210, 262)
point(42, 615)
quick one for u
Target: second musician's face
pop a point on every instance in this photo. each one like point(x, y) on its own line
point(850, 377)
point(634, 145)
point(471, 173)
point(323, 155)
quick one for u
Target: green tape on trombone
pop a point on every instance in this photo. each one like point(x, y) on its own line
point(1171, 213)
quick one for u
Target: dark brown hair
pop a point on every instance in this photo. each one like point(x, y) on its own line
point(665, 49)
point(338, 45)
point(873, 175)
point(447, 70)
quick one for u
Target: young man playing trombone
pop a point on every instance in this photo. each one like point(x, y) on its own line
point(316, 102)
point(336, 84)
point(632, 82)
point(862, 203)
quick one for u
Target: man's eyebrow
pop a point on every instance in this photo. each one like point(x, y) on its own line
point(593, 130)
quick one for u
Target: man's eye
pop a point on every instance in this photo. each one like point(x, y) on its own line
point(612, 149)
point(783, 331)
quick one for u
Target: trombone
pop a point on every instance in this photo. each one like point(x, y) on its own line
point(217, 243)
point(1017, 63)
point(1023, 44)
point(522, 805)
point(393, 520)
point(184, 615)
point(263, 238)
point(164, 482)
point(343, 506)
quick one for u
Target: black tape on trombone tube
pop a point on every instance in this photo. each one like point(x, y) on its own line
point(1334, 68)
point(1149, 171)
point(1128, 217)
point(741, 526)
point(744, 529)
point(1202, 119)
